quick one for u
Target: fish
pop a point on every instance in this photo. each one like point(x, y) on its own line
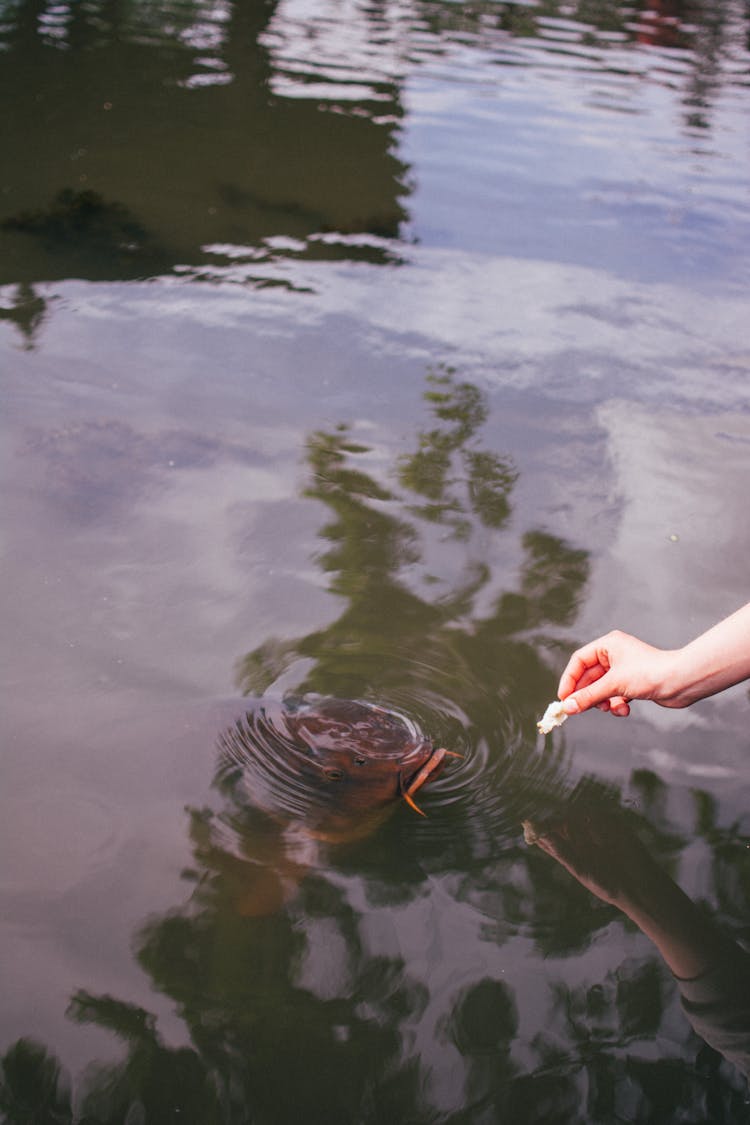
point(326, 771)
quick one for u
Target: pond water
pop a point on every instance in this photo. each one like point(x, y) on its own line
point(383, 351)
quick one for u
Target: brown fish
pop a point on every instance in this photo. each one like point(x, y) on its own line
point(328, 771)
point(336, 758)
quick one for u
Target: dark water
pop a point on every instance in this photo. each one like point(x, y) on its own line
point(386, 352)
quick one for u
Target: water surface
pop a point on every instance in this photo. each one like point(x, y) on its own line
point(384, 352)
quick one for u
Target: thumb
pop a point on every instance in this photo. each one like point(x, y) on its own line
point(601, 690)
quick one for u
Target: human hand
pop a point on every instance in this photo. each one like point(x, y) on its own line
point(610, 671)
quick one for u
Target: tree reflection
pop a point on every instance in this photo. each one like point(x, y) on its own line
point(219, 163)
point(33, 1089)
point(215, 164)
point(156, 1083)
point(727, 846)
point(265, 1047)
point(487, 479)
point(290, 1010)
point(405, 627)
point(27, 311)
point(707, 30)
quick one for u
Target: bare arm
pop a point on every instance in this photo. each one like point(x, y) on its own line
point(597, 846)
point(599, 850)
point(610, 671)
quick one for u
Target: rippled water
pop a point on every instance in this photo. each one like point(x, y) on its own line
point(377, 352)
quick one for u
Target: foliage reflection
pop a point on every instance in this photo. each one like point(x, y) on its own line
point(218, 143)
point(292, 1008)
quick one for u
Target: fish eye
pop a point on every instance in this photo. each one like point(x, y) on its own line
point(335, 775)
point(360, 761)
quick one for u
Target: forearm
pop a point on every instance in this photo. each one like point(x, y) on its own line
point(687, 939)
point(712, 662)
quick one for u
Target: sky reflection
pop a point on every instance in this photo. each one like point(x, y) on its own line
point(220, 465)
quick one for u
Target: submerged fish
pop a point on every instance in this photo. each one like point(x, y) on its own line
point(338, 757)
point(327, 771)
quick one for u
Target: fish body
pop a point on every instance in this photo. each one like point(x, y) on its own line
point(326, 771)
point(333, 765)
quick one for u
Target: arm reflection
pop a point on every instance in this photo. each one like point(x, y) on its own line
point(599, 849)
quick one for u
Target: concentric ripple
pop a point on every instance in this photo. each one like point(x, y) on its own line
point(336, 766)
point(505, 771)
point(329, 763)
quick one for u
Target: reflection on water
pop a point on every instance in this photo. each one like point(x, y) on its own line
point(545, 205)
point(221, 139)
point(414, 638)
point(26, 310)
point(599, 848)
point(216, 164)
point(321, 972)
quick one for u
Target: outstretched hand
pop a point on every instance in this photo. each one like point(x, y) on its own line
point(610, 671)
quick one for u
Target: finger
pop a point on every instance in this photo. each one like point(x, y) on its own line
point(619, 706)
point(563, 851)
point(591, 675)
point(590, 657)
point(602, 690)
point(543, 837)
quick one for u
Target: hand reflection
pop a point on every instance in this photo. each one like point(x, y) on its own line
point(599, 850)
point(598, 847)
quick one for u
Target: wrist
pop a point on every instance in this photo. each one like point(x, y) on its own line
point(697, 671)
point(680, 678)
point(712, 662)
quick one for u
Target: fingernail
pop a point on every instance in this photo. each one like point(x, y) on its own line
point(571, 706)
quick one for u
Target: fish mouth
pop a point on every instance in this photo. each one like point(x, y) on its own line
point(429, 768)
point(411, 769)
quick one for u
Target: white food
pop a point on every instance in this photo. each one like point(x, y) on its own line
point(553, 717)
